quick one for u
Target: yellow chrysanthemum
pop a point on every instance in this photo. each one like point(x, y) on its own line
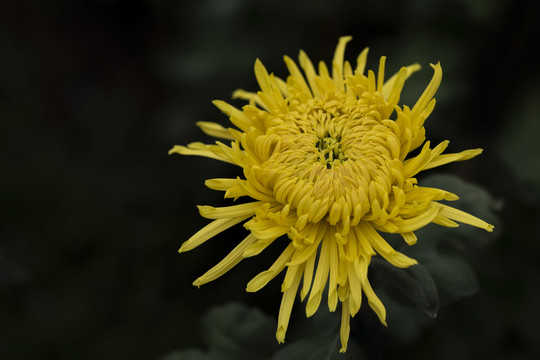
point(324, 156)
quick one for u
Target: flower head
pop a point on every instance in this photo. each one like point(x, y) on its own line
point(324, 156)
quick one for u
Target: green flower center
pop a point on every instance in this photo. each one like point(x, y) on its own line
point(330, 151)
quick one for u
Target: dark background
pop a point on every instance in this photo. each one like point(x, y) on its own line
point(93, 210)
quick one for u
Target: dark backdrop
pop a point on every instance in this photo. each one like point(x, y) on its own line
point(93, 210)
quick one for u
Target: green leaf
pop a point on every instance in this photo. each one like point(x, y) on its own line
point(518, 143)
point(189, 354)
point(415, 283)
point(438, 247)
point(454, 280)
point(239, 332)
point(454, 277)
point(322, 322)
point(405, 323)
point(442, 276)
point(235, 332)
point(324, 346)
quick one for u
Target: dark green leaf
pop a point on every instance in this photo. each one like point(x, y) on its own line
point(518, 142)
point(322, 322)
point(414, 282)
point(238, 332)
point(405, 323)
point(324, 346)
point(454, 277)
point(235, 332)
point(189, 354)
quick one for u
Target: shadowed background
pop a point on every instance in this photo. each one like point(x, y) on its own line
point(93, 210)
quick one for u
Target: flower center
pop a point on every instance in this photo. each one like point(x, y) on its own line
point(330, 151)
point(337, 159)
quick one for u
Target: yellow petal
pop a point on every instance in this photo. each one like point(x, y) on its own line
point(308, 275)
point(223, 184)
point(296, 75)
point(444, 221)
point(270, 94)
point(287, 302)
point(211, 212)
point(380, 76)
point(215, 130)
point(236, 116)
point(345, 328)
point(419, 221)
point(448, 158)
point(355, 297)
point(429, 92)
point(361, 62)
point(382, 247)
point(209, 231)
point(200, 149)
point(317, 232)
point(266, 229)
point(321, 277)
point(374, 302)
point(418, 163)
point(466, 218)
point(252, 97)
point(333, 278)
point(393, 86)
point(337, 62)
point(309, 70)
point(409, 237)
point(230, 261)
point(259, 281)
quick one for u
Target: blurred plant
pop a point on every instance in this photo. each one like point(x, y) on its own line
point(234, 331)
point(328, 167)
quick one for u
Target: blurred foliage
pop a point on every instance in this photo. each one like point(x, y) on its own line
point(441, 277)
point(93, 94)
point(234, 332)
point(517, 142)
